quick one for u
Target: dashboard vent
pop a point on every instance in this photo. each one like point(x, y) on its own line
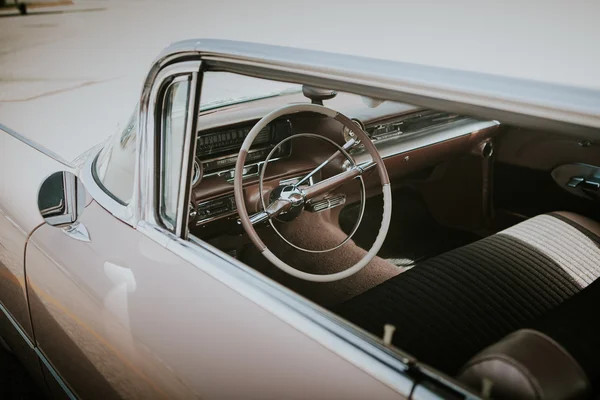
point(413, 123)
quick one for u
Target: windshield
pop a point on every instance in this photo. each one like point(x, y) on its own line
point(220, 89)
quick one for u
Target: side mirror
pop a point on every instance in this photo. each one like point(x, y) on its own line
point(61, 201)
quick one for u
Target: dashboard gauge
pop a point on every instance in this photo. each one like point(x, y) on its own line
point(196, 172)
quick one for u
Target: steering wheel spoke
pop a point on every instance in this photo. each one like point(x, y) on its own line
point(274, 209)
point(330, 184)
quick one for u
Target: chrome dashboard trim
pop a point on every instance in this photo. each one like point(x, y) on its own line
point(393, 146)
point(209, 219)
point(288, 181)
point(258, 164)
point(196, 172)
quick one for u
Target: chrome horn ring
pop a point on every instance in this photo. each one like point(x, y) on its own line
point(352, 164)
point(320, 188)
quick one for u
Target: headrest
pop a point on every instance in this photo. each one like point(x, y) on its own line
point(526, 365)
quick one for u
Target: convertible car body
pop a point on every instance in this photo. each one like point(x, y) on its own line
point(283, 223)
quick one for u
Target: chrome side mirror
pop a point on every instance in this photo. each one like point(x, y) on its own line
point(61, 201)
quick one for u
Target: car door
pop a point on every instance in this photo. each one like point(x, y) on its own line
point(23, 165)
point(137, 312)
point(84, 294)
point(534, 169)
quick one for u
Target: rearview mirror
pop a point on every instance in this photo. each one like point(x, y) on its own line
point(61, 201)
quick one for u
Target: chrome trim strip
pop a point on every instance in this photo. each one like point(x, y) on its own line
point(39, 353)
point(535, 104)
point(55, 374)
point(17, 326)
point(36, 146)
point(209, 219)
point(189, 155)
point(362, 349)
point(165, 86)
point(258, 164)
point(146, 189)
point(394, 146)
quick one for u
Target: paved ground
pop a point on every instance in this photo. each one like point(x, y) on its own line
point(79, 68)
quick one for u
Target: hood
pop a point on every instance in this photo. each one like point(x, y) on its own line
point(72, 121)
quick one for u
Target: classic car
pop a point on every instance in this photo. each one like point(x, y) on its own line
point(283, 223)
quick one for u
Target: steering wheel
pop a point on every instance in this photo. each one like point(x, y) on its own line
point(293, 197)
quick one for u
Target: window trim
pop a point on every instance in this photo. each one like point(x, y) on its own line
point(160, 137)
point(148, 187)
point(99, 183)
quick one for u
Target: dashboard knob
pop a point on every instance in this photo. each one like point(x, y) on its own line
point(193, 212)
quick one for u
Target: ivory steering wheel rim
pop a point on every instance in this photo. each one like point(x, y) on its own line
point(245, 218)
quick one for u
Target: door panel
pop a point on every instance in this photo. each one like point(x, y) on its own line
point(82, 296)
point(544, 151)
point(22, 169)
point(121, 316)
point(523, 181)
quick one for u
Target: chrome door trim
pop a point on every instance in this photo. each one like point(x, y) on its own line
point(39, 353)
point(55, 374)
point(16, 326)
point(36, 146)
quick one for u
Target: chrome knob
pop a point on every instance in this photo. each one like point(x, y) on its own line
point(193, 212)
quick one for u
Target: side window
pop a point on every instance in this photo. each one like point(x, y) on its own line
point(115, 165)
point(173, 127)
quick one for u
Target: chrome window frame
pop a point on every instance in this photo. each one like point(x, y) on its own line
point(186, 77)
point(147, 187)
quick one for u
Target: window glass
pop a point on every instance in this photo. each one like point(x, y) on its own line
point(220, 89)
point(174, 120)
point(115, 164)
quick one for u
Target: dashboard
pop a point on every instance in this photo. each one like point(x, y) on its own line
point(408, 139)
point(217, 150)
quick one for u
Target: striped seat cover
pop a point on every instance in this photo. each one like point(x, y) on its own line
point(449, 307)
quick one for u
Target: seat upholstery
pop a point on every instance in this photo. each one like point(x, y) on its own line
point(449, 307)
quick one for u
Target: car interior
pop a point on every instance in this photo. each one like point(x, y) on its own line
point(488, 272)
